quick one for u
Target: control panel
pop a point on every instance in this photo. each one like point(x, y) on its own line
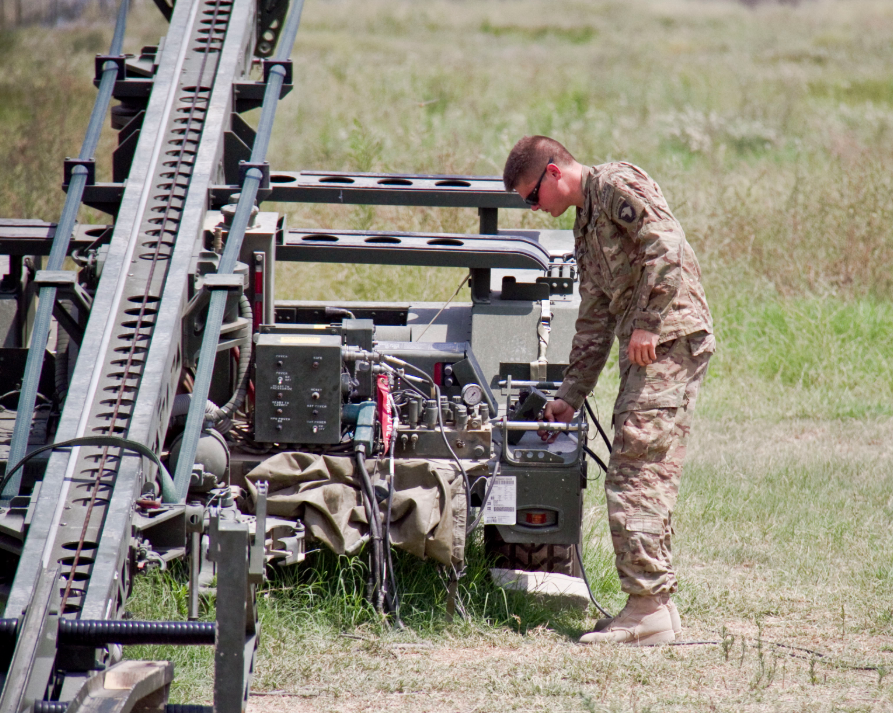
point(298, 388)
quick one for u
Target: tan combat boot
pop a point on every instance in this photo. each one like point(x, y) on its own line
point(645, 620)
point(605, 622)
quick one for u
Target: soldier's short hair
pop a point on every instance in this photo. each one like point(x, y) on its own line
point(529, 157)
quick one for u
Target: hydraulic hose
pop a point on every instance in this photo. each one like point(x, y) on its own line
point(63, 344)
point(132, 633)
point(220, 415)
point(213, 412)
point(101, 632)
point(374, 516)
point(406, 365)
point(167, 483)
point(592, 454)
point(238, 397)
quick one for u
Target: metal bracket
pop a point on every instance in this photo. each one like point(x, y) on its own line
point(286, 64)
point(61, 279)
point(256, 559)
point(192, 320)
point(194, 527)
point(538, 368)
point(263, 167)
point(70, 163)
point(120, 60)
point(480, 285)
point(128, 685)
point(237, 626)
point(35, 652)
point(224, 281)
point(65, 281)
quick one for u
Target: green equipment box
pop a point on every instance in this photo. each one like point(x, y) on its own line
point(298, 388)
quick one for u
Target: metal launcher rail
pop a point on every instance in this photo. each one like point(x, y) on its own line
point(80, 507)
point(75, 557)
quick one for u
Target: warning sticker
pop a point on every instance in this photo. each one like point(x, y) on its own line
point(500, 506)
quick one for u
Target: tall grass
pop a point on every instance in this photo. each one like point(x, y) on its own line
point(770, 130)
point(306, 606)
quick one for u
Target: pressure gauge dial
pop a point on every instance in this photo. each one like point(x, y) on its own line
point(472, 394)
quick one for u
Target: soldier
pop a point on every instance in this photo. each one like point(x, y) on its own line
point(639, 281)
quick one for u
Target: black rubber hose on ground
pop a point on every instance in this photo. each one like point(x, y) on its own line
point(374, 517)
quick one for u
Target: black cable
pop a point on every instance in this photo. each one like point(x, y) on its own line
point(592, 455)
point(113, 441)
point(374, 516)
point(446, 442)
point(477, 520)
point(406, 365)
point(443, 435)
point(373, 564)
point(598, 426)
point(598, 606)
point(19, 391)
point(796, 652)
point(394, 592)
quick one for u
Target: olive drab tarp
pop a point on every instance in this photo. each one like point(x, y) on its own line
point(428, 515)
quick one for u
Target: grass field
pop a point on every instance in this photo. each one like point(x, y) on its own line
point(770, 129)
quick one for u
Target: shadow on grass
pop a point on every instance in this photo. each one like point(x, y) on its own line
point(330, 591)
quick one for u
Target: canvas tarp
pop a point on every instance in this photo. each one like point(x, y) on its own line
point(428, 514)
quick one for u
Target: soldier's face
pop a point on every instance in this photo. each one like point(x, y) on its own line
point(548, 197)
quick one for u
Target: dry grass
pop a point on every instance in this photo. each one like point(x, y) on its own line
point(771, 131)
point(781, 548)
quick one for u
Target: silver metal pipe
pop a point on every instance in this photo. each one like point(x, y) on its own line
point(543, 426)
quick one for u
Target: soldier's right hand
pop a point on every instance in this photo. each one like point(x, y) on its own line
point(556, 410)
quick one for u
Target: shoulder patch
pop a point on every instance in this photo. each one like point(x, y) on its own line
point(627, 213)
point(627, 208)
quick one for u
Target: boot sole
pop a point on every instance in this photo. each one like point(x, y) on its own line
point(661, 637)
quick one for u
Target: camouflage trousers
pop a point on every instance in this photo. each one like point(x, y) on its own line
point(652, 420)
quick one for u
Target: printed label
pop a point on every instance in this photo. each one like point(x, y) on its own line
point(299, 340)
point(500, 506)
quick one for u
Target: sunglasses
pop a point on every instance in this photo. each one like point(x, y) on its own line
point(534, 196)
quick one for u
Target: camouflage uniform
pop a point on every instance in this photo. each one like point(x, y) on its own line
point(637, 271)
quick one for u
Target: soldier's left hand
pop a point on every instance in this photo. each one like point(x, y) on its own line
point(642, 346)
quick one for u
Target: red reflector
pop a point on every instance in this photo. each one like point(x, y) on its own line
point(535, 518)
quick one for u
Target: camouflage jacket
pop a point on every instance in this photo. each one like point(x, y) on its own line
point(636, 271)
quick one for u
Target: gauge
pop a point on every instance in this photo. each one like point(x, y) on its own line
point(472, 394)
